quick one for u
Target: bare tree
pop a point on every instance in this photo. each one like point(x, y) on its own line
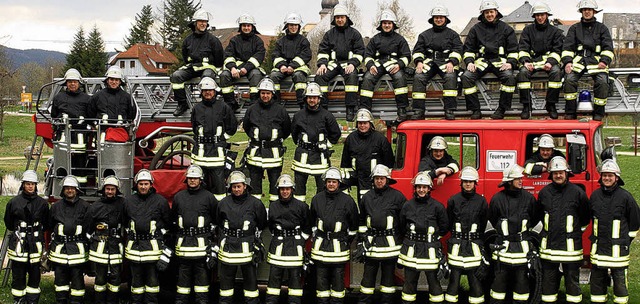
point(404, 23)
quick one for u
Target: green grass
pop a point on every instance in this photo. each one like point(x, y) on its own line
point(18, 134)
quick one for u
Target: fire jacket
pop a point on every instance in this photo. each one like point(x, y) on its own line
point(74, 104)
point(116, 104)
point(294, 51)
point(386, 49)
point(244, 51)
point(341, 45)
point(147, 219)
point(240, 221)
point(564, 211)
point(68, 224)
point(439, 45)
point(335, 217)
point(106, 219)
point(194, 212)
point(202, 51)
point(313, 131)
point(428, 163)
point(491, 43)
point(27, 216)
point(424, 221)
point(363, 151)
point(467, 213)
point(512, 214)
point(616, 220)
point(540, 44)
point(534, 165)
point(587, 44)
point(379, 224)
point(289, 223)
point(213, 123)
point(267, 126)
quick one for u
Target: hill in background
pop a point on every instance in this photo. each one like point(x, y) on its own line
point(41, 57)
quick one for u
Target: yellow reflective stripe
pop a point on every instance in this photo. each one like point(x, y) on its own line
point(323, 294)
point(177, 86)
point(598, 298)
point(555, 84)
point(506, 88)
point(226, 292)
point(568, 54)
point(471, 90)
point(574, 299)
point(366, 93)
point(201, 288)
point(417, 55)
point(418, 95)
point(451, 298)
point(183, 290)
point(600, 101)
point(476, 300)
point(387, 289)
point(513, 55)
point(351, 88)
point(405, 60)
point(469, 55)
point(523, 54)
point(498, 295)
point(632, 234)
point(295, 292)
point(408, 297)
point(571, 96)
point(77, 292)
point(229, 59)
point(520, 296)
point(400, 91)
point(615, 229)
point(254, 62)
point(227, 90)
point(323, 56)
point(137, 290)
point(18, 293)
point(152, 289)
point(277, 60)
point(608, 54)
point(359, 57)
point(273, 291)
point(619, 299)
point(455, 55)
point(366, 290)
point(524, 85)
point(113, 288)
point(300, 86)
point(251, 293)
point(436, 298)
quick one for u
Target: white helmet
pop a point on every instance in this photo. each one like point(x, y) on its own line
point(111, 180)
point(114, 72)
point(487, 5)
point(340, 10)
point(143, 175)
point(207, 83)
point(388, 15)
point(364, 115)
point(70, 181)
point(439, 10)
point(293, 18)
point(610, 166)
point(266, 84)
point(285, 181)
point(422, 178)
point(438, 143)
point(194, 171)
point(200, 15)
point(30, 176)
point(246, 19)
point(72, 74)
point(558, 163)
point(236, 177)
point(588, 4)
point(382, 170)
point(313, 89)
point(469, 174)
point(546, 141)
point(512, 173)
point(540, 8)
point(332, 173)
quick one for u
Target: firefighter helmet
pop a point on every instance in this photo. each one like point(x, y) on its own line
point(200, 15)
point(540, 8)
point(387, 15)
point(313, 89)
point(546, 141)
point(70, 181)
point(266, 84)
point(72, 74)
point(30, 176)
point(438, 143)
point(511, 173)
point(422, 178)
point(382, 170)
point(111, 180)
point(488, 4)
point(340, 10)
point(194, 171)
point(236, 177)
point(469, 174)
point(332, 173)
point(285, 181)
point(610, 166)
point(292, 18)
point(588, 4)
point(114, 72)
point(364, 115)
point(558, 163)
point(207, 83)
point(246, 19)
point(143, 175)
point(439, 10)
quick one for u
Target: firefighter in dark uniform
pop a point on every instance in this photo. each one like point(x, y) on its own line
point(213, 123)
point(267, 124)
point(537, 163)
point(291, 57)
point(540, 48)
point(588, 48)
point(363, 150)
point(467, 212)
point(67, 251)
point(424, 221)
point(240, 219)
point(27, 215)
point(106, 217)
point(491, 46)
point(340, 53)
point(202, 54)
point(616, 220)
point(563, 208)
point(314, 130)
point(511, 214)
point(147, 220)
point(194, 211)
point(437, 52)
point(334, 215)
point(438, 163)
point(387, 53)
point(112, 104)
point(379, 238)
point(290, 226)
point(243, 57)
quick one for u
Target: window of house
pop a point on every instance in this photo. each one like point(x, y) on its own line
point(132, 64)
point(122, 64)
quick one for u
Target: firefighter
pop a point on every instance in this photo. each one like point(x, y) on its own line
point(290, 226)
point(240, 219)
point(112, 104)
point(363, 150)
point(379, 238)
point(616, 220)
point(540, 48)
point(538, 162)
point(511, 214)
point(467, 213)
point(243, 57)
point(424, 221)
point(386, 53)
point(334, 216)
point(202, 54)
point(67, 251)
point(147, 220)
point(106, 219)
point(291, 57)
point(267, 124)
point(340, 53)
point(438, 163)
point(563, 208)
point(213, 123)
point(314, 130)
point(588, 48)
point(490, 47)
point(194, 212)
point(26, 214)
point(437, 52)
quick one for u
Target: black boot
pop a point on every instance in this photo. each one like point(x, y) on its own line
point(598, 113)
point(402, 115)
point(526, 111)
point(498, 114)
point(449, 115)
point(551, 109)
point(180, 96)
point(181, 109)
point(418, 114)
point(351, 113)
point(476, 114)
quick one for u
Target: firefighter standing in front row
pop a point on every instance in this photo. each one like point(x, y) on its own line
point(213, 123)
point(27, 215)
point(616, 221)
point(467, 212)
point(267, 124)
point(194, 212)
point(68, 251)
point(106, 217)
point(314, 130)
point(240, 219)
point(147, 219)
point(424, 221)
point(334, 215)
point(563, 208)
point(290, 226)
point(379, 238)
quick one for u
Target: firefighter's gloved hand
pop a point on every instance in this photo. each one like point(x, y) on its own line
point(44, 262)
point(165, 258)
point(307, 262)
point(443, 269)
point(259, 253)
point(483, 270)
point(360, 252)
point(533, 263)
point(212, 256)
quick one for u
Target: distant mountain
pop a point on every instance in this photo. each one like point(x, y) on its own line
point(20, 57)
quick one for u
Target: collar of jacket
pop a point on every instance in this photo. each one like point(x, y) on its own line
point(609, 190)
point(266, 105)
point(542, 27)
point(208, 102)
point(513, 192)
point(560, 186)
point(29, 196)
point(588, 21)
point(76, 93)
point(439, 28)
point(113, 91)
point(421, 200)
point(239, 199)
point(75, 200)
point(152, 190)
point(381, 190)
point(468, 194)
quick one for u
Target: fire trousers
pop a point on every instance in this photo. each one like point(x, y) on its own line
point(506, 275)
point(145, 285)
point(256, 174)
point(27, 289)
point(275, 282)
point(476, 294)
point(227, 275)
point(387, 282)
point(69, 283)
point(551, 283)
point(330, 283)
point(107, 284)
point(410, 288)
point(600, 282)
point(193, 273)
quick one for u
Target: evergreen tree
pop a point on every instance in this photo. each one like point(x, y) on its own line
point(77, 54)
point(96, 57)
point(176, 15)
point(140, 32)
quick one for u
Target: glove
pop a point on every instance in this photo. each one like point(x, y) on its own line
point(483, 270)
point(212, 256)
point(443, 269)
point(259, 253)
point(44, 262)
point(533, 263)
point(359, 253)
point(307, 262)
point(165, 258)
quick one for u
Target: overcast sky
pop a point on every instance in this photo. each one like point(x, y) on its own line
point(51, 24)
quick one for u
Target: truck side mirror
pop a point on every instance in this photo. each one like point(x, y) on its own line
point(577, 149)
